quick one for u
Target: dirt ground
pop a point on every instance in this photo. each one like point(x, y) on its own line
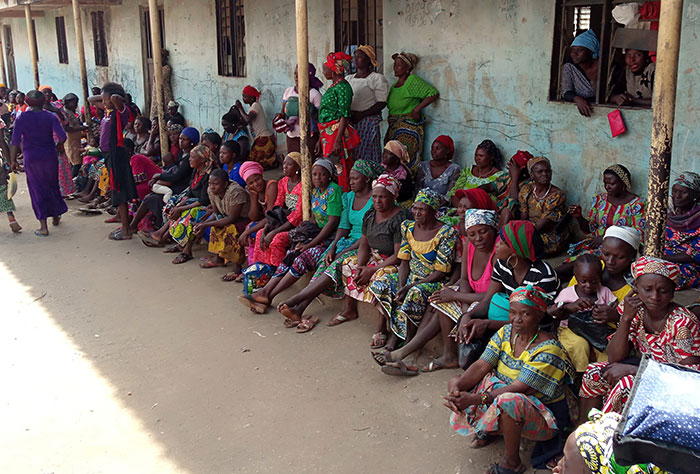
point(115, 360)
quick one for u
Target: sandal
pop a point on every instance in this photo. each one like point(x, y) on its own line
point(382, 357)
point(233, 276)
point(496, 469)
point(210, 264)
point(149, 241)
point(308, 324)
point(255, 307)
point(287, 312)
point(378, 340)
point(40, 234)
point(289, 323)
point(182, 258)
point(339, 319)
point(435, 365)
point(117, 235)
point(400, 369)
point(89, 211)
point(173, 249)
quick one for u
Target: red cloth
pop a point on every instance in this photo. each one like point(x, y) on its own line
point(521, 158)
point(479, 198)
point(143, 170)
point(448, 142)
point(650, 11)
point(251, 91)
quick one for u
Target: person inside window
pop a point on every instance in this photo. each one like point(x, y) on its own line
point(634, 84)
point(579, 78)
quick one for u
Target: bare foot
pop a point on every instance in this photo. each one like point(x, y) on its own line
point(56, 220)
point(15, 227)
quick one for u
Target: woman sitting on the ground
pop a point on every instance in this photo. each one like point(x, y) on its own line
point(235, 129)
point(580, 76)
point(440, 173)
point(226, 217)
point(486, 168)
point(143, 169)
point(518, 253)
point(517, 387)
point(394, 159)
point(356, 204)
point(174, 132)
point(475, 277)
point(427, 252)
point(263, 193)
point(544, 205)
point(230, 161)
point(326, 208)
point(617, 206)
point(142, 130)
point(653, 325)
point(506, 188)
point(683, 229)
point(465, 199)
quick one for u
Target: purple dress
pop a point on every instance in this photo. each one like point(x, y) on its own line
point(34, 131)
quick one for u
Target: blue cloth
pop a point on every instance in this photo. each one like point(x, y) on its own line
point(192, 134)
point(589, 41)
point(233, 174)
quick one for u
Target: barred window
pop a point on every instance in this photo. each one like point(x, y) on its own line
point(359, 22)
point(99, 38)
point(61, 40)
point(230, 32)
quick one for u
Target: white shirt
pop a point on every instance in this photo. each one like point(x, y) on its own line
point(367, 91)
point(259, 124)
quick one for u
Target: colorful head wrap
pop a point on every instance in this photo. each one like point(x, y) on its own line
point(530, 295)
point(449, 144)
point(398, 149)
point(251, 91)
point(409, 58)
point(521, 158)
point(518, 235)
point(629, 235)
point(173, 103)
point(588, 40)
point(368, 168)
point(296, 156)
point(428, 197)
point(689, 180)
point(338, 62)
point(387, 182)
point(176, 127)
point(250, 168)
point(369, 52)
point(191, 133)
point(480, 217)
point(479, 198)
point(656, 266)
point(326, 164)
point(205, 154)
point(43, 88)
point(622, 173)
point(536, 160)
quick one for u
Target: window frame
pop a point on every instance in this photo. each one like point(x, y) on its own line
point(366, 28)
point(99, 38)
point(231, 38)
point(61, 41)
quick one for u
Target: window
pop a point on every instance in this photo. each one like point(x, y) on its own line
point(230, 32)
point(147, 32)
point(99, 38)
point(61, 40)
point(358, 22)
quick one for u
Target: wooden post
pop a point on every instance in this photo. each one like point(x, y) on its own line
point(303, 89)
point(664, 108)
point(158, 73)
point(78, 22)
point(2, 61)
point(32, 44)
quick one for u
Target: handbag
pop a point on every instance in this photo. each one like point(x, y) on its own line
point(499, 308)
point(582, 324)
point(617, 125)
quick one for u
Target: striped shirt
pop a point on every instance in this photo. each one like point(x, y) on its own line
point(540, 274)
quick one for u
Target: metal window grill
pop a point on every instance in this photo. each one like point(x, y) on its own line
point(582, 18)
point(61, 40)
point(230, 28)
point(359, 22)
point(147, 31)
point(99, 38)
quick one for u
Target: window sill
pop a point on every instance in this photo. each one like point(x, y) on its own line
point(604, 106)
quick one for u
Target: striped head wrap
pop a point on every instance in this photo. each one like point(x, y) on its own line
point(428, 197)
point(480, 217)
point(656, 266)
point(409, 58)
point(368, 168)
point(530, 295)
point(387, 182)
point(296, 156)
point(518, 235)
point(536, 160)
point(622, 174)
point(399, 149)
point(689, 180)
point(338, 62)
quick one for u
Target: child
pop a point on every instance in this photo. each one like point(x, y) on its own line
point(163, 187)
point(263, 148)
point(6, 203)
point(583, 296)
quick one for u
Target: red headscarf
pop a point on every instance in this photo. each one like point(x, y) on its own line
point(449, 144)
point(521, 158)
point(338, 62)
point(479, 198)
point(251, 91)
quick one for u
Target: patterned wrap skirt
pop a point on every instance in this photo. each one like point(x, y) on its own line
point(263, 151)
point(224, 243)
point(6, 205)
point(181, 230)
point(350, 139)
point(65, 175)
point(370, 147)
point(594, 385)
point(411, 134)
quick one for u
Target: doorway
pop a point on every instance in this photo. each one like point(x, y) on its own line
point(10, 58)
point(147, 53)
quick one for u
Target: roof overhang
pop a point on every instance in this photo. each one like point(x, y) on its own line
point(15, 8)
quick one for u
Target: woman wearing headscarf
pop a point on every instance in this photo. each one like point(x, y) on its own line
point(453, 300)
point(506, 187)
point(683, 229)
point(409, 95)
point(427, 253)
point(440, 173)
point(516, 388)
point(338, 137)
point(370, 91)
point(356, 204)
point(579, 78)
point(394, 159)
point(263, 148)
point(544, 205)
point(488, 160)
point(287, 121)
point(34, 132)
point(326, 209)
point(652, 325)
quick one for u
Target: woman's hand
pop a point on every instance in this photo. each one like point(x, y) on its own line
point(632, 306)
point(603, 314)
point(513, 169)
point(338, 146)
point(266, 240)
point(615, 371)
point(243, 239)
point(199, 227)
point(14, 166)
point(584, 108)
point(401, 294)
point(364, 275)
point(175, 212)
point(580, 305)
point(574, 210)
point(460, 401)
point(330, 255)
point(444, 295)
point(473, 329)
point(622, 99)
point(415, 115)
point(317, 148)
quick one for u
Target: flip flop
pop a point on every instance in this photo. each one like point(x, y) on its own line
point(255, 307)
point(149, 241)
point(39, 234)
point(182, 258)
point(289, 324)
point(210, 264)
point(382, 357)
point(378, 340)
point(339, 319)
point(112, 220)
point(435, 365)
point(400, 369)
point(173, 249)
point(237, 277)
point(308, 324)
point(89, 211)
point(117, 235)
point(496, 469)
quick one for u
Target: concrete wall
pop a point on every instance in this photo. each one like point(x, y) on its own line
point(490, 60)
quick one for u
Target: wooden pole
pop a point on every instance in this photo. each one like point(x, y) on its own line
point(303, 89)
point(2, 62)
point(158, 73)
point(664, 108)
point(78, 22)
point(32, 44)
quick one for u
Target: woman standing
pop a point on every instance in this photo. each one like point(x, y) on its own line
point(263, 148)
point(370, 91)
point(34, 131)
point(486, 168)
point(235, 129)
point(683, 229)
point(74, 130)
point(338, 137)
point(65, 174)
point(289, 117)
point(407, 98)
